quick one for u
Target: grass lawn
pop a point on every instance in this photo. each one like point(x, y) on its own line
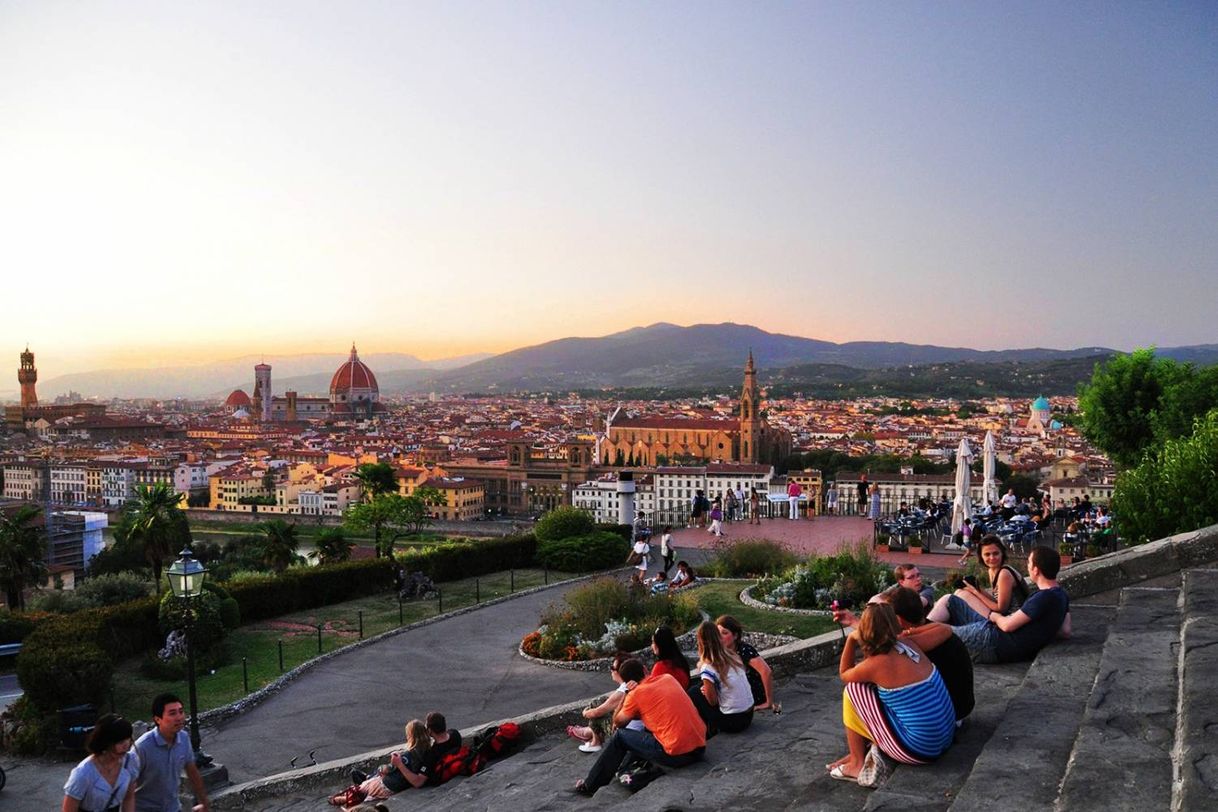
point(258, 642)
point(723, 598)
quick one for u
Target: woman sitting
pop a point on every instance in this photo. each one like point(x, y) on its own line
point(683, 578)
point(600, 717)
point(402, 771)
point(669, 658)
point(970, 603)
point(894, 698)
point(761, 679)
point(724, 699)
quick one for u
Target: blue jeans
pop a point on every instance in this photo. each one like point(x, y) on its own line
point(981, 640)
point(642, 744)
point(959, 613)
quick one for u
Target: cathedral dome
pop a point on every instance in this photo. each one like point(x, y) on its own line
point(353, 376)
point(236, 399)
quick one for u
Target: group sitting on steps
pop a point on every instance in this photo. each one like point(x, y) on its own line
point(905, 701)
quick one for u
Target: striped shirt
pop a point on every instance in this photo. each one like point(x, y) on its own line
point(921, 715)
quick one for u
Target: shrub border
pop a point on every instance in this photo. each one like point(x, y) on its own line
point(746, 597)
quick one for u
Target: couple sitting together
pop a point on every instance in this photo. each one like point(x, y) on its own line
point(426, 744)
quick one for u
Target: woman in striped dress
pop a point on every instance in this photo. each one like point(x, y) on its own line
point(894, 698)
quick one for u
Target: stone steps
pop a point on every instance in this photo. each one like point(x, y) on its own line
point(1024, 760)
point(1121, 758)
point(1195, 784)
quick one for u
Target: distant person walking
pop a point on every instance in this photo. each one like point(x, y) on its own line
point(667, 551)
point(754, 506)
point(861, 488)
point(164, 752)
point(793, 493)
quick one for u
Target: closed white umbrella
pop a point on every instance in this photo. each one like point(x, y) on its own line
point(988, 485)
point(962, 507)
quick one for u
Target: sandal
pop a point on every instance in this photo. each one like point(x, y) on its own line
point(839, 774)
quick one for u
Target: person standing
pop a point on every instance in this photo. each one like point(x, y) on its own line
point(831, 500)
point(164, 752)
point(716, 514)
point(754, 506)
point(862, 494)
point(106, 779)
point(739, 501)
point(667, 551)
point(793, 494)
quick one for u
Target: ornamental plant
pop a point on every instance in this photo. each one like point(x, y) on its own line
point(850, 577)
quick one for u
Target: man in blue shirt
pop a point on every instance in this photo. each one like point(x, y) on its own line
point(1020, 635)
point(164, 753)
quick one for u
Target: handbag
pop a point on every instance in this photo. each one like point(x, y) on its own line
point(876, 769)
point(633, 558)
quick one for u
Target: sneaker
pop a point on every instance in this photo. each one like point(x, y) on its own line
point(589, 747)
point(358, 777)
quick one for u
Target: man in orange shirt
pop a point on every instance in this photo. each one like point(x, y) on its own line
point(675, 734)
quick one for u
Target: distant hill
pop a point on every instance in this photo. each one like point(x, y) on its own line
point(668, 355)
point(698, 358)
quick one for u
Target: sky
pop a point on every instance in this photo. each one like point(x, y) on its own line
point(186, 182)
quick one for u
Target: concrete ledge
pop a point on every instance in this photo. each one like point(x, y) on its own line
point(1136, 564)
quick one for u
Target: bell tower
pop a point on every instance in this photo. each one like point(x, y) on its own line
point(750, 423)
point(28, 376)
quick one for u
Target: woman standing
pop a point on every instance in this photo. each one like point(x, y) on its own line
point(754, 507)
point(761, 678)
point(874, 512)
point(105, 780)
point(894, 699)
point(667, 551)
point(723, 698)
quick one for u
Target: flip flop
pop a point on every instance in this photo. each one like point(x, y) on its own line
point(838, 774)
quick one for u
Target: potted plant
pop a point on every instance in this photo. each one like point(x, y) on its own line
point(1067, 553)
point(915, 545)
point(881, 542)
point(1093, 550)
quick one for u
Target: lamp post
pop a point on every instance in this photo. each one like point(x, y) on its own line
point(185, 578)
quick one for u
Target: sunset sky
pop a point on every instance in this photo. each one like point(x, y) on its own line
point(189, 181)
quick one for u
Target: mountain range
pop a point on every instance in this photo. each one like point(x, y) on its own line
point(660, 356)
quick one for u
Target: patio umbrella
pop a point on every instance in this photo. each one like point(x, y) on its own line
point(989, 486)
point(962, 507)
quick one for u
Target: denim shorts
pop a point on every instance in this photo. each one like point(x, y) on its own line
point(980, 638)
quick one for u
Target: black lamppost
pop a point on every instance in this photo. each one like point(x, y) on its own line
point(185, 578)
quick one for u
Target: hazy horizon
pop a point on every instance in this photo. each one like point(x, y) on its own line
point(186, 183)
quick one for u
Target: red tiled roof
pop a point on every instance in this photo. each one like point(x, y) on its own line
point(677, 423)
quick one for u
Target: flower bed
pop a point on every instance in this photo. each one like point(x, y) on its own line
point(604, 617)
point(851, 577)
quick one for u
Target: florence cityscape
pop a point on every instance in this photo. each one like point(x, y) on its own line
point(850, 368)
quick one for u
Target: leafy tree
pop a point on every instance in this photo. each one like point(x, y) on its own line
point(279, 544)
point(430, 496)
point(393, 513)
point(333, 546)
point(1119, 404)
point(1195, 394)
point(1174, 489)
point(564, 522)
point(1023, 485)
point(21, 553)
point(157, 525)
point(376, 479)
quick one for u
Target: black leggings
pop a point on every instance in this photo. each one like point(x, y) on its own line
point(715, 719)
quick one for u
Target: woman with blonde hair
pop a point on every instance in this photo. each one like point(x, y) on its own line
point(404, 770)
point(894, 700)
point(722, 696)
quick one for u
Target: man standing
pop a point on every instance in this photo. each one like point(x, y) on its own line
point(674, 735)
point(862, 494)
point(164, 752)
point(793, 494)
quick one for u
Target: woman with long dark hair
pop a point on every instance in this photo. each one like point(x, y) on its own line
point(669, 658)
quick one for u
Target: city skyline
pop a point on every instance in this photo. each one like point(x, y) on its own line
point(190, 184)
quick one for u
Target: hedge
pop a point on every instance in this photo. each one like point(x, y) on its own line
point(452, 561)
point(309, 587)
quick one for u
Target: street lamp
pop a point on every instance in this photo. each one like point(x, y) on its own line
point(185, 578)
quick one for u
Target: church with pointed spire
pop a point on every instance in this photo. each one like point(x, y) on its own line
point(690, 439)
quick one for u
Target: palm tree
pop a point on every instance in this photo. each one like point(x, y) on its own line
point(279, 545)
point(376, 479)
point(158, 524)
point(21, 553)
point(333, 546)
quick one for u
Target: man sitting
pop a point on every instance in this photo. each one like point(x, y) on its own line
point(1021, 634)
point(675, 734)
point(910, 577)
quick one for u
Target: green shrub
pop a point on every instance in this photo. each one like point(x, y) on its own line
point(57, 601)
point(587, 553)
point(751, 558)
point(850, 577)
point(263, 596)
point(454, 560)
point(230, 612)
point(113, 589)
point(623, 530)
point(26, 731)
point(14, 626)
point(606, 615)
point(200, 617)
point(61, 662)
point(564, 522)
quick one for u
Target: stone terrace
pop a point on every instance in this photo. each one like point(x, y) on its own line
point(1117, 718)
